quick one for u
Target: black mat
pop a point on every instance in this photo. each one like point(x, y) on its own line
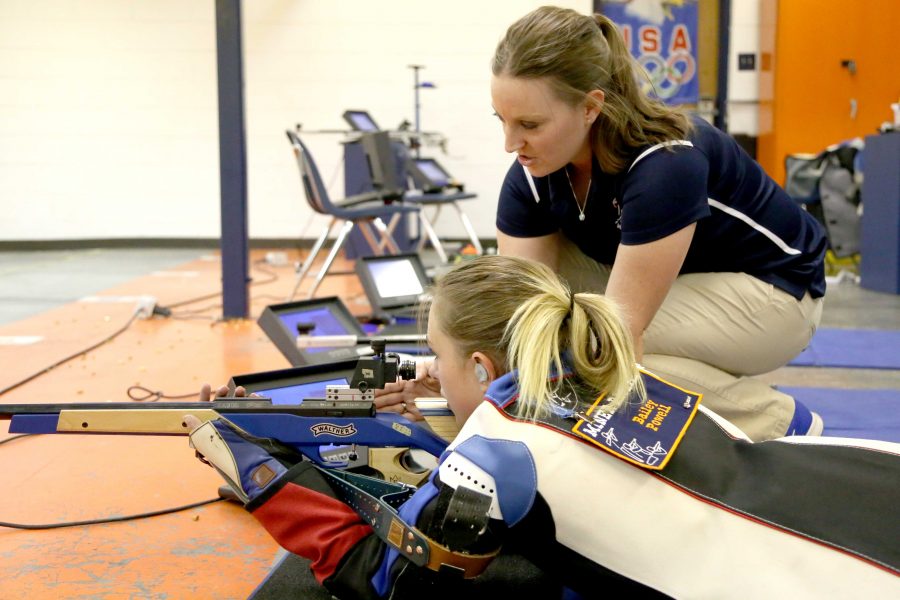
point(291, 578)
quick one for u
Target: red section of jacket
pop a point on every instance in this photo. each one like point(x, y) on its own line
point(312, 525)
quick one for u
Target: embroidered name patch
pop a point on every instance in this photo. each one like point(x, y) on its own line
point(646, 434)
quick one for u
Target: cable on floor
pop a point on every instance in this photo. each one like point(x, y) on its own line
point(145, 515)
point(15, 437)
point(70, 357)
point(156, 311)
point(133, 393)
point(139, 393)
point(256, 264)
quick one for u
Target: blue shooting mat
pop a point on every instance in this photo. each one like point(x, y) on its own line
point(872, 414)
point(852, 349)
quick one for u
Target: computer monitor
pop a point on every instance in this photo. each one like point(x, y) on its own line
point(384, 168)
point(328, 316)
point(292, 386)
point(392, 282)
point(360, 120)
point(429, 175)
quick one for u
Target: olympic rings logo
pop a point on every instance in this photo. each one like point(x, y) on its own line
point(667, 76)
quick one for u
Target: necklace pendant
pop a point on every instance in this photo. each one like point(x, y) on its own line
point(581, 217)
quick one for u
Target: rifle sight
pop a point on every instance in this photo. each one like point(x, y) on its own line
point(372, 372)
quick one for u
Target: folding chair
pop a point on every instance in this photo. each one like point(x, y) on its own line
point(364, 210)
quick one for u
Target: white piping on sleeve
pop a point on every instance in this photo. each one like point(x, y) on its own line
point(742, 217)
point(653, 149)
point(782, 245)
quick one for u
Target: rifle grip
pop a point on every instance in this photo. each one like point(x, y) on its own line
point(390, 466)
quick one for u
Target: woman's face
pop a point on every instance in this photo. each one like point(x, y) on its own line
point(546, 132)
point(459, 383)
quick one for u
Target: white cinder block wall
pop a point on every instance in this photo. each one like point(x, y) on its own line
point(108, 108)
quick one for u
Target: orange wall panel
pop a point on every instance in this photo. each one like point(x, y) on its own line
point(810, 105)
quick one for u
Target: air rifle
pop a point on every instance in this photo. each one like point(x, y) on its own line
point(341, 430)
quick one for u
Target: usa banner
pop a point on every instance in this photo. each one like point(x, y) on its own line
point(662, 36)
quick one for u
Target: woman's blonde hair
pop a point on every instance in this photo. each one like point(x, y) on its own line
point(577, 54)
point(523, 317)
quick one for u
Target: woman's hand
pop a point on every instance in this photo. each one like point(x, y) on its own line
point(191, 422)
point(221, 392)
point(400, 396)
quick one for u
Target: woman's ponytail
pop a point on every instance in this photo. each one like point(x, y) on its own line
point(524, 318)
point(602, 351)
point(589, 328)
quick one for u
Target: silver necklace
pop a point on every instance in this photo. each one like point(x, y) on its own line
point(587, 194)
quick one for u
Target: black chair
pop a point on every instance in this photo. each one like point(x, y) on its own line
point(364, 211)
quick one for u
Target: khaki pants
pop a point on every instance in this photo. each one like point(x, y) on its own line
point(712, 332)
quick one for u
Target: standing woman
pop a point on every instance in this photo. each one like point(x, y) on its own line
point(720, 275)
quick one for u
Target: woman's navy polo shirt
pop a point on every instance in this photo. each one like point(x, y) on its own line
point(746, 223)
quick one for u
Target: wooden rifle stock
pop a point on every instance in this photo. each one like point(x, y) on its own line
point(307, 427)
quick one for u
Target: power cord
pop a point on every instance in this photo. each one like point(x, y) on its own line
point(195, 314)
point(148, 395)
point(256, 264)
point(146, 515)
point(75, 355)
point(15, 437)
point(164, 311)
point(154, 513)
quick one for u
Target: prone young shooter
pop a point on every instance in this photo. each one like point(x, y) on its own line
point(602, 474)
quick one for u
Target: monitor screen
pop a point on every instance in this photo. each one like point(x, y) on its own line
point(433, 172)
point(329, 316)
point(295, 394)
point(360, 120)
point(392, 282)
point(395, 278)
point(326, 323)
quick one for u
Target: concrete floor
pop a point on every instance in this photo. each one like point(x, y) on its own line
point(36, 281)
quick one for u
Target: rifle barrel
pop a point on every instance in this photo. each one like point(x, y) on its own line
point(309, 408)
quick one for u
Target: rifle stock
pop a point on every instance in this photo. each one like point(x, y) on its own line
point(345, 418)
point(307, 427)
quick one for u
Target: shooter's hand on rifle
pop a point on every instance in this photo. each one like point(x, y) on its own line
point(400, 396)
point(221, 392)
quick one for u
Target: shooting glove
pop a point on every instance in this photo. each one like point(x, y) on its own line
point(247, 463)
